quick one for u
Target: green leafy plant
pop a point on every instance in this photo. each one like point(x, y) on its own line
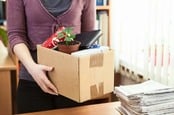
point(67, 34)
point(3, 36)
point(69, 43)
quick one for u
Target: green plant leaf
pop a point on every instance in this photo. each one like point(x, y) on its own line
point(67, 34)
point(3, 36)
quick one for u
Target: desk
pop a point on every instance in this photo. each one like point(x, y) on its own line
point(97, 109)
point(7, 78)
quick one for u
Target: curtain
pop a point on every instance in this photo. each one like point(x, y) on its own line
point(143, 38)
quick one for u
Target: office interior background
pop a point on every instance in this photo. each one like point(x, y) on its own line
point(142, 36)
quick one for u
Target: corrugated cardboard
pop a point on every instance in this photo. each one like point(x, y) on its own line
point(79, 78)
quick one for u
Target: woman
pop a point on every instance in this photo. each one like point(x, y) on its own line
point(31, 22)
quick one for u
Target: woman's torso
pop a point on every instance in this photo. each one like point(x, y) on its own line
point(41, 24)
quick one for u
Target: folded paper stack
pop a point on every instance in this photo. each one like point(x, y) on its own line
point(147, 98)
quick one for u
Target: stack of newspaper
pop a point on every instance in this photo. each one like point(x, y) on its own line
point(147, 98)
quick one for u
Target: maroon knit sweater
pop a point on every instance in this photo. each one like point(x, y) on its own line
point(29, 22)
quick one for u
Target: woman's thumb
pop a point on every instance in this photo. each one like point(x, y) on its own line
point(47, 68)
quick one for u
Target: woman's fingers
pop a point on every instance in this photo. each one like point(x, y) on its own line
point(39, 75)
point(50, 87)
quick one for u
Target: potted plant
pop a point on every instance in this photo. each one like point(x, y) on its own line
point(69, 45)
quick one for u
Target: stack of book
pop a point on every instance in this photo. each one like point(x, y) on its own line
point(101, 2)
point(147, 98)
point(102, 24)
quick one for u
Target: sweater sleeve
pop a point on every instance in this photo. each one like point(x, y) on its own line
point(88, 15)
point(16, 24)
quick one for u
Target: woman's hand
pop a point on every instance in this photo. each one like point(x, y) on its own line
point(38, 73)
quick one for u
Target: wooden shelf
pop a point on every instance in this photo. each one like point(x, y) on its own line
point(103, 7)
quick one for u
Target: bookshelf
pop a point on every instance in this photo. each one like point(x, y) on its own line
point(106, 8)
point(104, 22)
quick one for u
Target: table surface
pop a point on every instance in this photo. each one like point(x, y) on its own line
point(7, 64)
point(96, 109)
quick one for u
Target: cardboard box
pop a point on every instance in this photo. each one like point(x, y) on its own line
point(79, 78)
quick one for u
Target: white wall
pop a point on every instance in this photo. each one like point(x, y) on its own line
point(114, 35)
